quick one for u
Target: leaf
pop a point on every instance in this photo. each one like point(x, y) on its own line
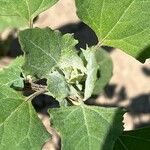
point(87, 128)
point(92, 68)
point(42, 50)
point(123, 24)
point(10, 22)
point(99, 71)
point(12, 74)
point(20, 128)
point(69, 57)
point(105, 70)
point(45, 49)
point(136, 139)
point(57, 86)
point(74, 75)
point(18, 12)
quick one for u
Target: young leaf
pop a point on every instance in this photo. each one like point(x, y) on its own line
point(51, 48)
point(124, 24)
point(23, 11)
point(57, 86)
point(99, 71)
point(74, 75)
point(84, 127)
point(42, 50)
point(105, 70)
point(92, 68)
point(136, 139)
point(20, 128)
point(69, 56)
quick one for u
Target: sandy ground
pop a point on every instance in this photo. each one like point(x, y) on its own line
point(130, 84)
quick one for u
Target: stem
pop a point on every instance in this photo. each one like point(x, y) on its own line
point(41, 91)
point(37, 87)
point(81, 101)
point(76, 101)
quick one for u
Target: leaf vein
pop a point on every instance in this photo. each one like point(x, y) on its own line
point(48, 54)
point(117, 22)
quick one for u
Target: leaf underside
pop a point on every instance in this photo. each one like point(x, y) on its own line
point(99, 71)
point(92, 68)
point(84, 127)
point(122, 24)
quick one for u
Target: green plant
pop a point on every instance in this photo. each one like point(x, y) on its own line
point(72, 77)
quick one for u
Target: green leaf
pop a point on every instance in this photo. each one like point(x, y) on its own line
point(18, 12)
point(45, 49)
point(57, 86)
point(10, 22)
point(123, 24)
point(69, 56)
point(12, 74)
point(92, 68)
point(137, 139)
point(74, 75)
point(105, 70)
point(42, 49)
point(99, 70)
point(87, 128)
point(20, 128)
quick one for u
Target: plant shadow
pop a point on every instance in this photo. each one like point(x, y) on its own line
point(146, 71)
point(10, 46)
point(84, 34)
point(145, 54)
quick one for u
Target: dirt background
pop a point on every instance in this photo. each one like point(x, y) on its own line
point(130, 84)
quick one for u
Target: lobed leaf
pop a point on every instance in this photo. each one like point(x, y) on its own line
point(122, 24)
point(20, 128)
point(84, 127)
